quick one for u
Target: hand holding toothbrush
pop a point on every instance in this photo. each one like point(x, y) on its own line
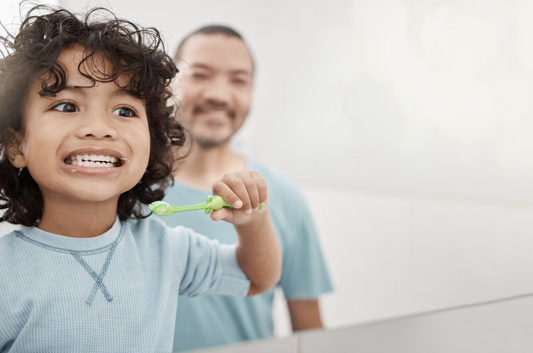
point(247, 194)
point(251, 185)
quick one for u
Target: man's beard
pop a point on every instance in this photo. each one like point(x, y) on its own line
point(209, 142)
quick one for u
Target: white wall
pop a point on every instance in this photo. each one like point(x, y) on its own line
point(408, 123)
point(393, 255)
point(9, 16)
point(12, 11)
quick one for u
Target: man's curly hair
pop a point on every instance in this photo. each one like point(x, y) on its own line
point(133, 51)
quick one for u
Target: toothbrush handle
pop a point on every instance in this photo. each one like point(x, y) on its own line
point(199, 206)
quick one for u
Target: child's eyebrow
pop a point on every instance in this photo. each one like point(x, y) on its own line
point(81, 90)
point(75, 90)
point(124, 92)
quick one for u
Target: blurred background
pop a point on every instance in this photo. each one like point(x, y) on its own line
point(408, 125)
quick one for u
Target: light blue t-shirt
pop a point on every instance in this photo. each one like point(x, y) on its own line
point(217, 320)
point(116, 292)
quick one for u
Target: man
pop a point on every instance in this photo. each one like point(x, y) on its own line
point(215, 94)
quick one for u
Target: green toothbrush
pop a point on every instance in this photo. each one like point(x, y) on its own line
point(214, 203)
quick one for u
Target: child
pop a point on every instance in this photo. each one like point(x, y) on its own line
point(86, 138)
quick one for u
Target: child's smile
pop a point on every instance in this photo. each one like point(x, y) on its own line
point(89, 143)
point(94, 160)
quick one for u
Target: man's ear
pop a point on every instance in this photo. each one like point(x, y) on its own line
point(14, 148)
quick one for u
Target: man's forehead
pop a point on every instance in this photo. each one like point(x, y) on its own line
point(217, 51)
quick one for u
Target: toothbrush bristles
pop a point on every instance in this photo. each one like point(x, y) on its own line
point(160, 208)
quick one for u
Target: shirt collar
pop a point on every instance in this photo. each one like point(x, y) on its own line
point(71, 243)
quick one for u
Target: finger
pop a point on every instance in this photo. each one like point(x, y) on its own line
point(223, 214)
point(237, 186)
point(251, 188)
point(261, 186)
point(222, 189)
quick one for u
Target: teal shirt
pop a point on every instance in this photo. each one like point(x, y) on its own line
point(116, 292)
point(217, 320)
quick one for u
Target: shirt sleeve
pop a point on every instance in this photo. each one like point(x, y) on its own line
point(304, 275)
point(212, 268)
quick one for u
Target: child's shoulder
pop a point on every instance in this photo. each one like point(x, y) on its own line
point(8, 243)
point(13, 254)
point(154, 238)
point(147, 225)
point(156, 230)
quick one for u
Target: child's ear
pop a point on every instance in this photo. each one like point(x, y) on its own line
point(14, 148)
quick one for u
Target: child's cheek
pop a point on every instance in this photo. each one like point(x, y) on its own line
point(142, 149)
point(144, 145)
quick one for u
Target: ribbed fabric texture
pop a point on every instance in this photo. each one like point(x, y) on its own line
point(114, 293)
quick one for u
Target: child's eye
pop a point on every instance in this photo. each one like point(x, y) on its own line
point(66, 107)
point(125, 112)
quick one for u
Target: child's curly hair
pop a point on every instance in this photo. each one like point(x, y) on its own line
point(132, 50)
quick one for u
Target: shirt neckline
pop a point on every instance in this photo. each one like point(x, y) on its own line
point(71, 243)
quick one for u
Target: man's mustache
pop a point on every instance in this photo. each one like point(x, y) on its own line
point(201, 108)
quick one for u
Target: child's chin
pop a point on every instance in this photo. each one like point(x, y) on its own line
point(97, 195)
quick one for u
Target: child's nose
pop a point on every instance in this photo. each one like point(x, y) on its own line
point(97, 127)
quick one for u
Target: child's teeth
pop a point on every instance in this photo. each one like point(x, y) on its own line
point(93, 160)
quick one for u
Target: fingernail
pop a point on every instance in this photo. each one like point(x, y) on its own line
point(238, 203)
point(248, 211)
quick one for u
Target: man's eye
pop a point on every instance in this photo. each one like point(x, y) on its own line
point(66, 107)
point(199, 75)
point(125, 112)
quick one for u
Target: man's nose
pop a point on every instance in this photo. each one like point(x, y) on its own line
point(97, 126)
point(218, 93)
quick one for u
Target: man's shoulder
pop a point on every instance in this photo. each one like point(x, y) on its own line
point(278, 183)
